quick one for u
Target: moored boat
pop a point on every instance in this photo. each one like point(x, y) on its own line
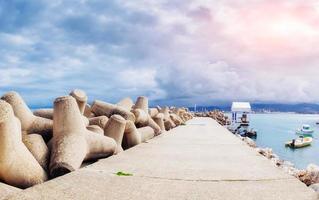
point(299, 142)
point(305, 130)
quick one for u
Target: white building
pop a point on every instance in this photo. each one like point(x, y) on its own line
point(239, 108)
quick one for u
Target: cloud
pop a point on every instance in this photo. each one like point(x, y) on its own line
point(14, 76)
point(141, 78)
point(177, 52)
point(15, 40)
point(138, 81)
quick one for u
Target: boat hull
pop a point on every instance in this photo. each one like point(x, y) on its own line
point(308, 133)
point(299, 143)
point(297, 146)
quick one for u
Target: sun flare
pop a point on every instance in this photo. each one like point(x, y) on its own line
point(291, 27)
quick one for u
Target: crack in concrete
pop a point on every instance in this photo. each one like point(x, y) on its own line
point(217, 180)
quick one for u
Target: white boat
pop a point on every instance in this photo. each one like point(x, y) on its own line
point(299, 142)
point(305, 130)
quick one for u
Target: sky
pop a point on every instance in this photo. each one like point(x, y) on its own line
point(176, 52)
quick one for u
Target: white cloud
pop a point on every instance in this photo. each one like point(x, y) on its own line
point(15, 39)
point(14, 76)
point(138, 78)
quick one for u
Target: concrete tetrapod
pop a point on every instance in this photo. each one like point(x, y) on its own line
point(72, 142)
point(152, 112)
point(100, 108)
point(165, 111)
point(115, 128)
point(126, 103)
point(29, 122)
point(146, 133)
point(45, 113)
point(100, 121)
point(48, 113)
point(169, 124)
point(159, 120)
point(85, 120)
point(81, 99)
point(141, 117)
point(153, 125)
point(38, 148)
point(131, 135)
point(18, 166)
point(141, 103)
point(176, 119)
point(144, 119)
point(99, 146)
point(88, 112)
point(95, 129)
point(179, 111)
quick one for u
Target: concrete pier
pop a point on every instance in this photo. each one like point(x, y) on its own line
point(7, 190)
point(201, 160)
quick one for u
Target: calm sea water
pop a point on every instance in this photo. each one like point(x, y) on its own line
point(275, 129)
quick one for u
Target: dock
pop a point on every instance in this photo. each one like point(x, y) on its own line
point(201, 160)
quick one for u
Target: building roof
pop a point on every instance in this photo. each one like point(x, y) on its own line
point(241, 107)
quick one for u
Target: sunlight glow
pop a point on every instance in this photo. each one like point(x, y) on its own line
point(290, 27)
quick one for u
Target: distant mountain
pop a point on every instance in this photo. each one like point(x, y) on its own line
point(298, 108)
point(269, 107)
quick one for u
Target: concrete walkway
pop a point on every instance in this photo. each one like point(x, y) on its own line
point(201, 160)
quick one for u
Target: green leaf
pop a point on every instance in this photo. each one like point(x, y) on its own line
point(123, 174)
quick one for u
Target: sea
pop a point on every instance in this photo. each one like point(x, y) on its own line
point(274, 129)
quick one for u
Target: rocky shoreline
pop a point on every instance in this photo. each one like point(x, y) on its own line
point(309, 176)
point(217, 115)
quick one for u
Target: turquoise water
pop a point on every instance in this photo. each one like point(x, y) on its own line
point(275, 129)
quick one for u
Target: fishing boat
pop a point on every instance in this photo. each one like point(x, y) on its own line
point(299, 142)
point(251, 133)
point(305, 130)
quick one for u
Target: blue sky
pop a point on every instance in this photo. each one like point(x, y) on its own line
point(178, 52)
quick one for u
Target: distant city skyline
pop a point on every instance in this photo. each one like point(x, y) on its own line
point(176, 52)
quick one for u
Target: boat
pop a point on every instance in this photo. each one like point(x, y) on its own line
point(305, 130)
point(244, 131)
point(249, 133)
point(299, 142)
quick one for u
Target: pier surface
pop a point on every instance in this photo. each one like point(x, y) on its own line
point(201, 160)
